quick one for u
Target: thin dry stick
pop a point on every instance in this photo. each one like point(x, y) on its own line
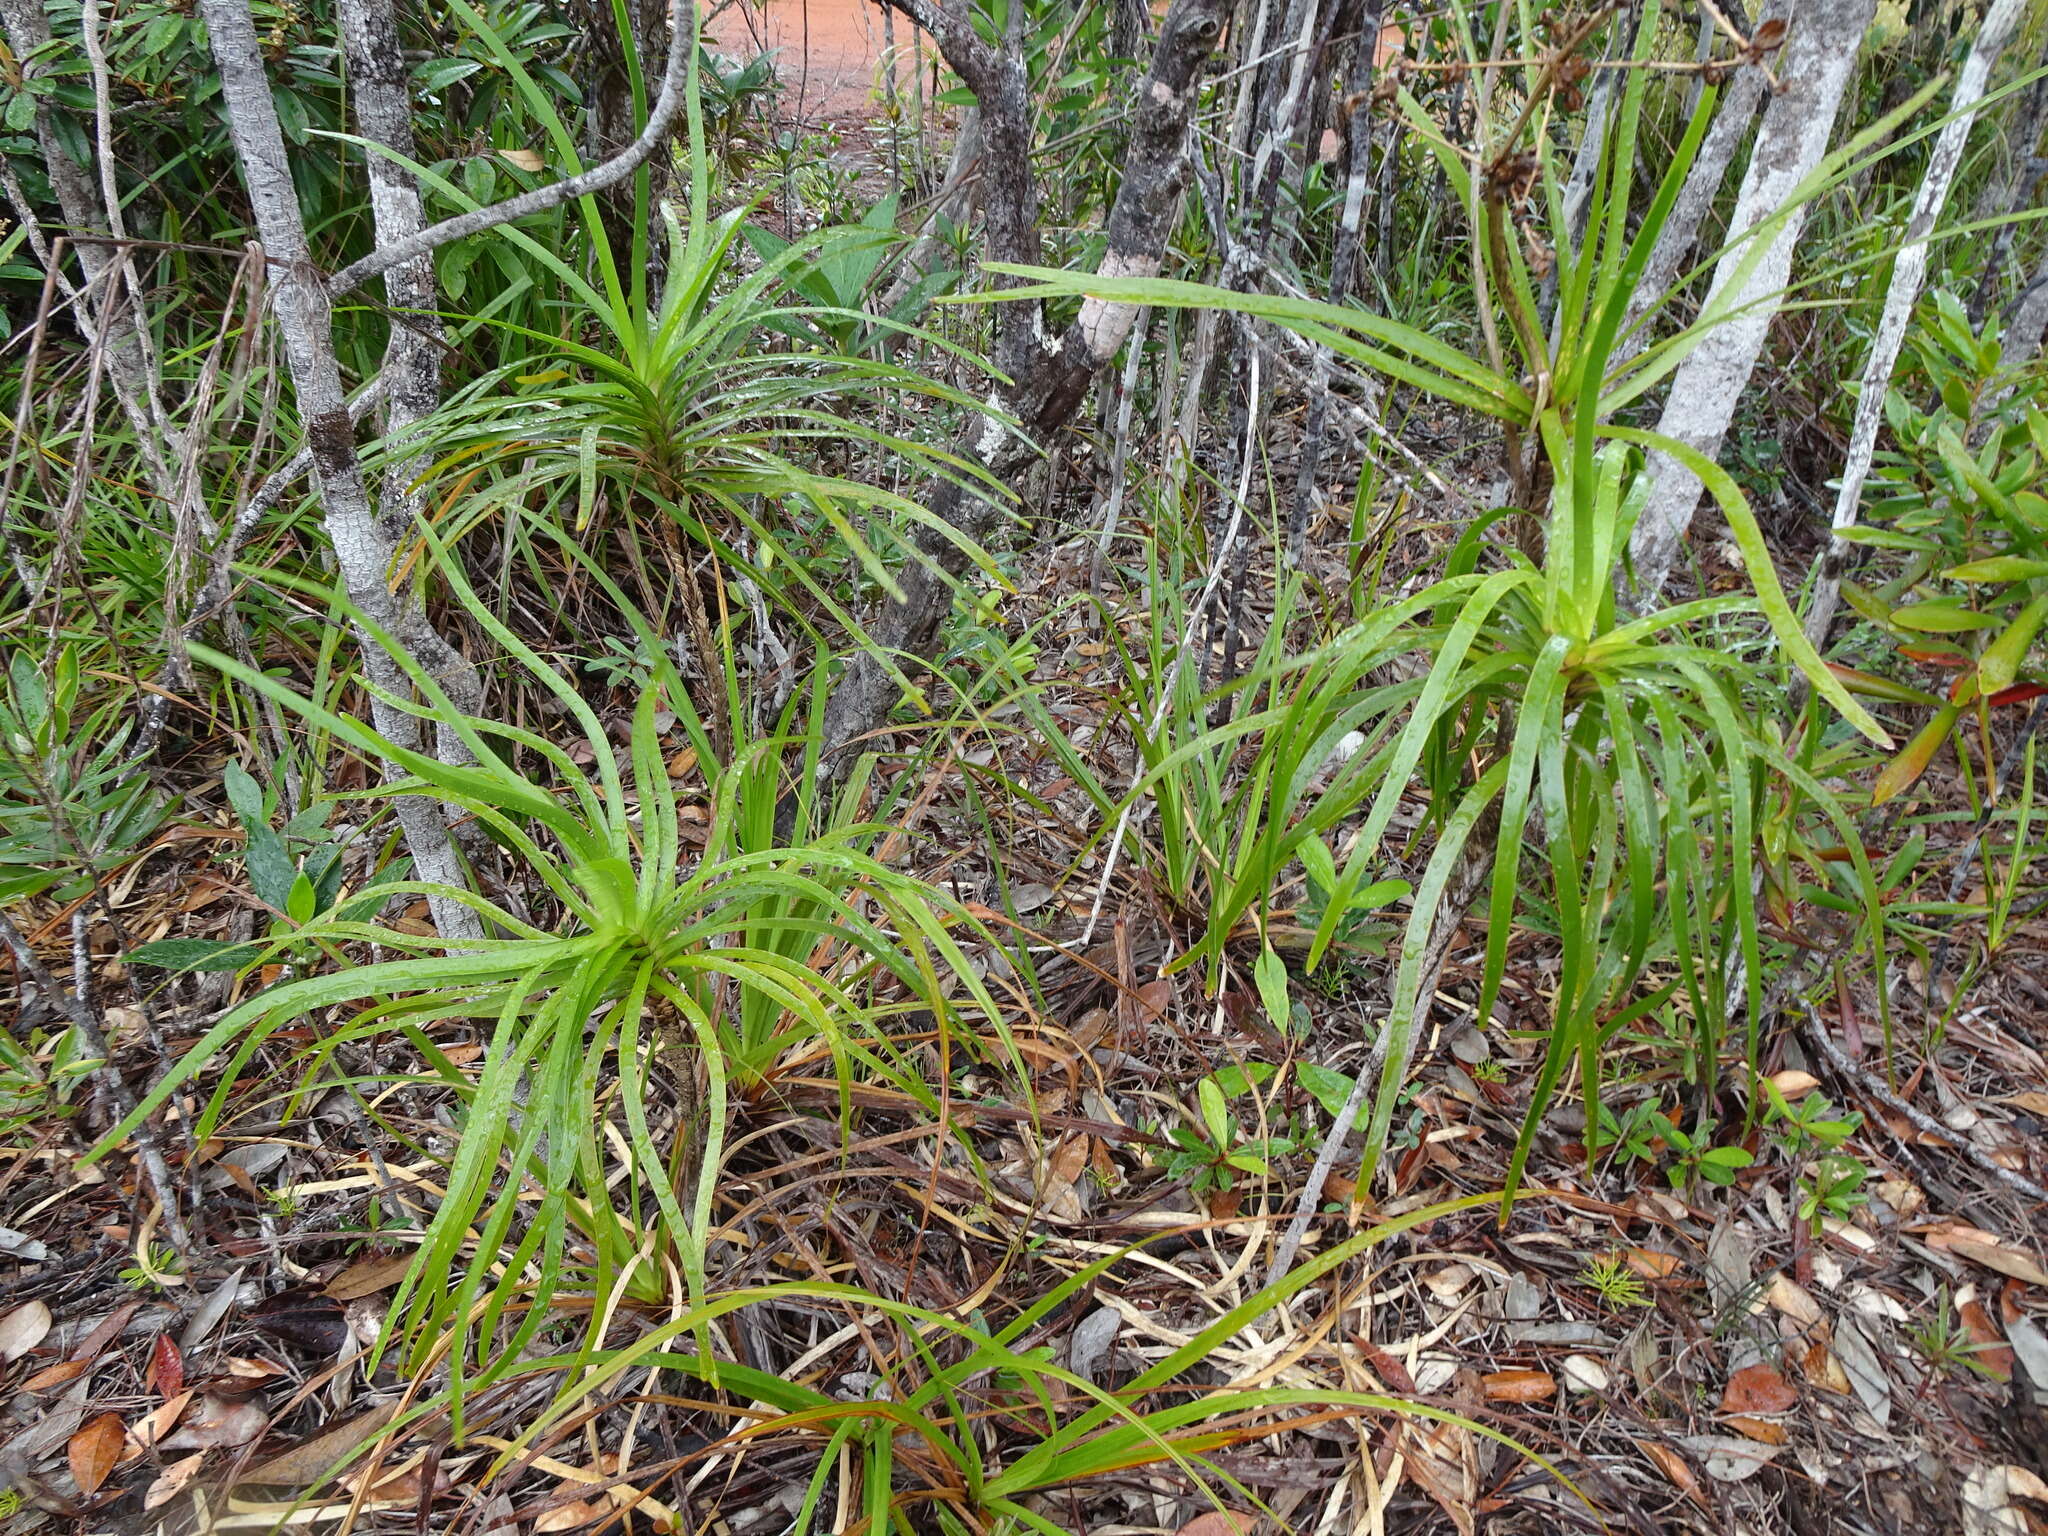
point(1866, 1084)
point(79, 1010)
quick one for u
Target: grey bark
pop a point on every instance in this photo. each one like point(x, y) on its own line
point(1813, 70)
point(104, 311)
point(380, 83)
point(661, 122)
point(363, 549)
point(1732, 119)
point(1909, 272)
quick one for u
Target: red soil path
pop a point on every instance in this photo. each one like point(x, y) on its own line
point(828, 52)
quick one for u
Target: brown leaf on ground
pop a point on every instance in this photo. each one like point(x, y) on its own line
point(1218, 1522)
point(1675, 1470)
point(220, 1422)
point(1650, 1264)
point(1758, 1389)
point(1987, 1249)
point(1992, 1352)
point(171, 1481)
point(308, 1461)
point(93, 1451)
point(369, 1275)
point(50, 1377)
point(1766, 1431)
point(1817, 1363)
point(1518, 1386)
point(166, 1373)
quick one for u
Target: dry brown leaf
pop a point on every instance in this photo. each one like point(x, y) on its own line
point(1817, 1363)
point(1788, 1296)
point(1218, 1522)
point(22, 1328)
point(1675, 1470)
point(312, 1459)
point(93, 1451)
point(53, 1376)
point(1758, 1389)
point(1650, 1264)
point(568, 1517)
point(1518, 1386)
point(2033, 1101)
point(222, 1422)
point(367, 1276)
point(1987, 1249)
point(1793, 1083)
point(1768, 1431)
point(1992, 1352)
point(154, 1425)
point(172, 1480)
point(525, 159)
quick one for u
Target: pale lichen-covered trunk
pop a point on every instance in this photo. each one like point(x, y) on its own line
point(1734, 115)
point(363, 548)
point(380, 83)
point(1909, 271)
point(1813, 70)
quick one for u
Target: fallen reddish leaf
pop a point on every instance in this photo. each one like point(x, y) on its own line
point(1217, 1522)
point(1518, 1386)
point(166, 1373)
point(1992, 1352)
point(93, 1450)
point(1650, 1264)
point(56, 1375)
point(1391, 1372)
point(1675, 1470)
point(1758, 1389)
point(1766, 1430)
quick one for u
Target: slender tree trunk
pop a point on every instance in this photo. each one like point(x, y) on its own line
point(1733, 115)
point(1813, 70)
point(412, 357)
point(2003, 193)
point(363, 548)
point(1909, 271)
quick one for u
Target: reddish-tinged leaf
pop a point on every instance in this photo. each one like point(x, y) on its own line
point(1518, 1386)
point(1674, 1468)
point(1768, 1431)
point(93, 1450)
point(1650, 1264)
point(1758, 1389)
point(56, 1375)
point(166, 1374)
point(1391, 1372)
point(2019, 693)
point(1905, 768)
point(1992, 1352)
point(1218, 1522)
